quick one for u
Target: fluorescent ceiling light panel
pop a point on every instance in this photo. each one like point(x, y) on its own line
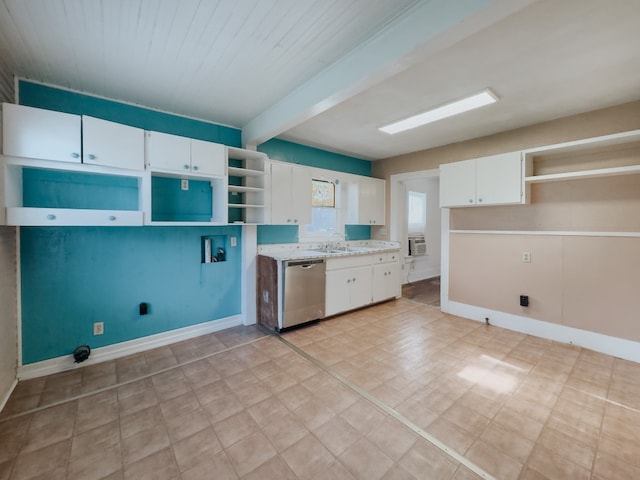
point(486, 97)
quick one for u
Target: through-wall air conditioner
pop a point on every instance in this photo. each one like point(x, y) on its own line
point(417, 245)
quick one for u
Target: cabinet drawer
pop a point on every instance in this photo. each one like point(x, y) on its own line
point(27, 216)
point(349, 262)
point(385, 257)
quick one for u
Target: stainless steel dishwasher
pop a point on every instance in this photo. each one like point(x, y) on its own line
point(304, 291)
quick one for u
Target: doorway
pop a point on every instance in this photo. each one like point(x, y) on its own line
point(415, 207)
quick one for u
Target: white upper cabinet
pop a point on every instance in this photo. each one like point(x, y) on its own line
point(112, 144)
point(494, 180)
point(458, 183)
point(165, 152)
point(41, 134)
point(371, 201)
point(208, 158)
point(363, 200)
point(290, 194)
point(47, 135)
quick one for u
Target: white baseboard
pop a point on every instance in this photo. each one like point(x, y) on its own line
point(118, 350)
point(5, 397)
point(614, 346)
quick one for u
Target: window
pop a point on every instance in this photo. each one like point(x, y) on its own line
point(324, 214)
point(416, 212)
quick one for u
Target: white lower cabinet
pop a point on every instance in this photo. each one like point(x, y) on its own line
point(386, 276)
point(356, 281)
point(347, 289)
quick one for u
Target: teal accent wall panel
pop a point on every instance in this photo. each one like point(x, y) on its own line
point(172, 204)
point(270, 234)
point(60, 189)
point(73, 277)
point(51, 98)
point(313, 157)
point(357, 232)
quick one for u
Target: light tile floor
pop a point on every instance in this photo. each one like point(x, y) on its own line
point(359, 399)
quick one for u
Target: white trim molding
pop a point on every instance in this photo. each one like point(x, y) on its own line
point(119, 350)
point(614, 346)
point(5, 398)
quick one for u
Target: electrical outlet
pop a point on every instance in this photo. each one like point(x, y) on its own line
point(526, 257)
point(184, 184)
point(234, 241)
point(98, 328)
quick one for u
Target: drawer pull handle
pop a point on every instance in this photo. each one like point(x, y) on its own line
point(112, 217)
point(186, 167)
point(51, 216)
point(195, 168)
point(74, 155)
point(91, 156)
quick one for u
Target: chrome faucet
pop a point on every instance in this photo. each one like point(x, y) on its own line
point(334, 245)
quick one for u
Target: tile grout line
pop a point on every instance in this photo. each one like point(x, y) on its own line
point(461, 459)
point(128, 382)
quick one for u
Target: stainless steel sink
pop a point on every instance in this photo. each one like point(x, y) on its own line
point(342, 250)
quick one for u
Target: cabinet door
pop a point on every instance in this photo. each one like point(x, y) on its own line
point(361, 286)
point(458, 184)
point(300, 195)
point(44, 134)
point(385, 281)
point(338, 291)
point(499, 179)
point(280, 194)
point(372, 201)
point(112, 144)
point(167, 152)
point(208, 158)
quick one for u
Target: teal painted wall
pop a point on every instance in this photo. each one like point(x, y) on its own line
point(74, 276)
point(42, 96)
point(313, 157)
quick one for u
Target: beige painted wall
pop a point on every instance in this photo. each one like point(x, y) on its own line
point(8, 318)
point(585, 282)
point(590, 283)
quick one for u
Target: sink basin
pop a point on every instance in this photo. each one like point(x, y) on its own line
point(342, 250)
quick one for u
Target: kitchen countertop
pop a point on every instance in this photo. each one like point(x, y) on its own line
point(301, 251)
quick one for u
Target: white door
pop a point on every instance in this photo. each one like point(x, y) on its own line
point(44, 134)
point(280, 194)
point(338, 291)
point(300, 196)
point(499, 179)
point(208, 158)
point(361, 286)
point(458, 184)
point(112, 144)
point(167, 152)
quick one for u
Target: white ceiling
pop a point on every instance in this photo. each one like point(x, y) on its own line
point(328, 73)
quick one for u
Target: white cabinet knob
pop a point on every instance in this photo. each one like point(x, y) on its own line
point(194, 168)
point(112, 217)
point(51, 216)
point(91, 156)
point(75, 155)
point(185, 166)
